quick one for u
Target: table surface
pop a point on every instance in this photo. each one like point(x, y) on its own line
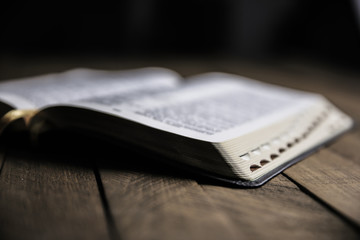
point(58, 195)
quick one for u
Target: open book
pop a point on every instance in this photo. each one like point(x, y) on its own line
point(230, 127)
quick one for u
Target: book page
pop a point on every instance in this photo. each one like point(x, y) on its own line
point(213, 107)
point(74, 85)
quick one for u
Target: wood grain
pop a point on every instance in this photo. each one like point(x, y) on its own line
point(334, 179)
point(278, 210)
point(41, 198)
point(348, 146)
point(146, 206)
point(159, 207)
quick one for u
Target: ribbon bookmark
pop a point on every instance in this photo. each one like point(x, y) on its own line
point(16, 114)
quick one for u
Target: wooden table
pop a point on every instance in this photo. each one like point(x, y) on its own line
point(59, 195)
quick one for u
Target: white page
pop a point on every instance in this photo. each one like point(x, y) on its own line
point(80, 84)
point(213, 107)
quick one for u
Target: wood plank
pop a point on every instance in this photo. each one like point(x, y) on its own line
point(335, 179)
point(43, 197)
point(147, 206)
point(348, 146)
point(278, 210)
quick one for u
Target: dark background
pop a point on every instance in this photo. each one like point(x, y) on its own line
point(245, 29)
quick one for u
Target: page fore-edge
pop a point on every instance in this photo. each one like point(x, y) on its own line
point(268, 176)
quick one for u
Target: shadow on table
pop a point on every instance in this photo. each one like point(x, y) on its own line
point(67, 147)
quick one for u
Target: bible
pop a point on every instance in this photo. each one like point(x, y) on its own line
point(231, 128)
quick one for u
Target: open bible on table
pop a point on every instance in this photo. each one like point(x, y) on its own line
point(228, 127)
